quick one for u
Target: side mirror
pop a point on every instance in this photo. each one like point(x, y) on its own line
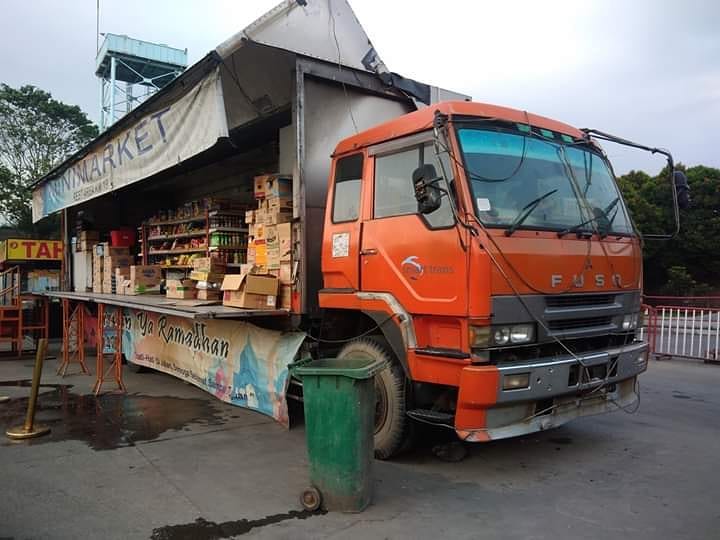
point(682, 189)
point(427, 193)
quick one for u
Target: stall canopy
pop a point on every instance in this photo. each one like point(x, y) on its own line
point(249, 77)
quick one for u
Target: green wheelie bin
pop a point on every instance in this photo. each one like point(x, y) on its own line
point(339, 402)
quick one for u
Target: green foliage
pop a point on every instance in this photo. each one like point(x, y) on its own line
point(36, 132)
point(690, 263)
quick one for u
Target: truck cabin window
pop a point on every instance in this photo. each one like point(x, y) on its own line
point(510, 170)
point(394, 192)
point(348, 180)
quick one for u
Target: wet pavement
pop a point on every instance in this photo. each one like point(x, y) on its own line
point(169, 462)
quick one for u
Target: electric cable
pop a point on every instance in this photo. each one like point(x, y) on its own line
point(338, 341)
point(517, 293)
point(339, 64)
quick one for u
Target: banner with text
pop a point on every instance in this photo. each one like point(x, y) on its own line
point(235, 361)
point(156, 142)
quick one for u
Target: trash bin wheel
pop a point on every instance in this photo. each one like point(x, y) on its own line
point(392, 429)
point(310, 499)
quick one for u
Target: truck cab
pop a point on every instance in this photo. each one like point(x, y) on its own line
point(487, 254)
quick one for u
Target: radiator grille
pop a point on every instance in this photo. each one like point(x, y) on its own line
point(576, 300)
point(574, 324)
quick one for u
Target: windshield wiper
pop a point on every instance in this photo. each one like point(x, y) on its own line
point(597, 218)
point(526, 211)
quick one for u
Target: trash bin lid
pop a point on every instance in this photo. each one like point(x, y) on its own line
point(354, 367)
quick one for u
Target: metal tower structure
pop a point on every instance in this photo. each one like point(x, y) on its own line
point(131, 70)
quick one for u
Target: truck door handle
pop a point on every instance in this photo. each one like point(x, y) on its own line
point(369, 251)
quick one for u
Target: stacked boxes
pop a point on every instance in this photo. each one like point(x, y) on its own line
point(270, 244)
point(208, 272)
point(270, 223)
point(97, 272)
point(105, 260)
point(86, 240)
point(112, 265)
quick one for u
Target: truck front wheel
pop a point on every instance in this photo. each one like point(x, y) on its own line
point(391, 423)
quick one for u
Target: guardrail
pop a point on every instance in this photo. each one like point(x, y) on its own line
point(682, 331)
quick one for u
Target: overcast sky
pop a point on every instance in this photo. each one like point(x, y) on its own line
point(645, 70)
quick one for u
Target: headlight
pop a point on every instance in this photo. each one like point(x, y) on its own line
point(494, 336)
point(522, 333)
point(501, 335)
point(479, 337)
point(630, 321)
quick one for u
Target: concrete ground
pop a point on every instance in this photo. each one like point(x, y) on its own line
point(170, 462)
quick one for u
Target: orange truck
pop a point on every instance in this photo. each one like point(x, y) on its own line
point(502, 285)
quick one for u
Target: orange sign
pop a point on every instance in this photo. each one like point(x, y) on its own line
point(23, 249)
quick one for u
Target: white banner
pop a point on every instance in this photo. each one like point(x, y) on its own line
point(156, 142)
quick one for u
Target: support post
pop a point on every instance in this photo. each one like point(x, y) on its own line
point(113, 82)
point(116, 365)
point(29, 429)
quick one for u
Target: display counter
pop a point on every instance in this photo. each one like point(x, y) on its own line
point(191, 309)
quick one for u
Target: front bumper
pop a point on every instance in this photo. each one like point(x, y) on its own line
point(557, 392)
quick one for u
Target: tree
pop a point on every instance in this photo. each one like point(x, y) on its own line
point(36, 132)
point(689, 263)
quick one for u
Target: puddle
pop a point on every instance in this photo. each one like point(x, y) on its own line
point(201, 529)
point(108, 421)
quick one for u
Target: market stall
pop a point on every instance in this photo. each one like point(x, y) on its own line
point(193, 223)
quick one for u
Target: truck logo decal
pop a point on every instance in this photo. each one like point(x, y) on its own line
point(411, 268)
point(414, 269)
point(579, 281)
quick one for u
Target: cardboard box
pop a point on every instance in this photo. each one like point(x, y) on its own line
point(148, 275)
point(208, 294)
point(260, 252)
point(275, 216)
point(285, 297)
point(104, 249)
point(111, 263)
point(285, 272)
point(277, 186)
point(144, 280)
point(122, 276)
point(212, 277)
point(258, 231)
point(284, 234)
point(134, 289)
point(259, 187)
point(208, 264)
point(271, 237)
point(86, 245)
point(180, 288)
point(247, 290)
point(280, 203)
point(249, 216)
point(273, 258)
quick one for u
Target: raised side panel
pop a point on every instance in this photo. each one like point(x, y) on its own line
point(328, 113)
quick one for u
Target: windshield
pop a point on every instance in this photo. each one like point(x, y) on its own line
point(508, 172)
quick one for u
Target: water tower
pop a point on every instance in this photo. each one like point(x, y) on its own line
point(130, 71)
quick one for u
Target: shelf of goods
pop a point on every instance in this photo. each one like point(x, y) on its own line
point(198, 229)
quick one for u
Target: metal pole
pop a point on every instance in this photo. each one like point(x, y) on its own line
point(113, 67)
point(29, 430)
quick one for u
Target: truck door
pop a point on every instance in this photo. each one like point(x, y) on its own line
point(416, 258)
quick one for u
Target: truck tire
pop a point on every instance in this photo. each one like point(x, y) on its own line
point(392, 429)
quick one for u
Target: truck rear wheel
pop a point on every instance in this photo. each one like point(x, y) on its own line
point(391, 424)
